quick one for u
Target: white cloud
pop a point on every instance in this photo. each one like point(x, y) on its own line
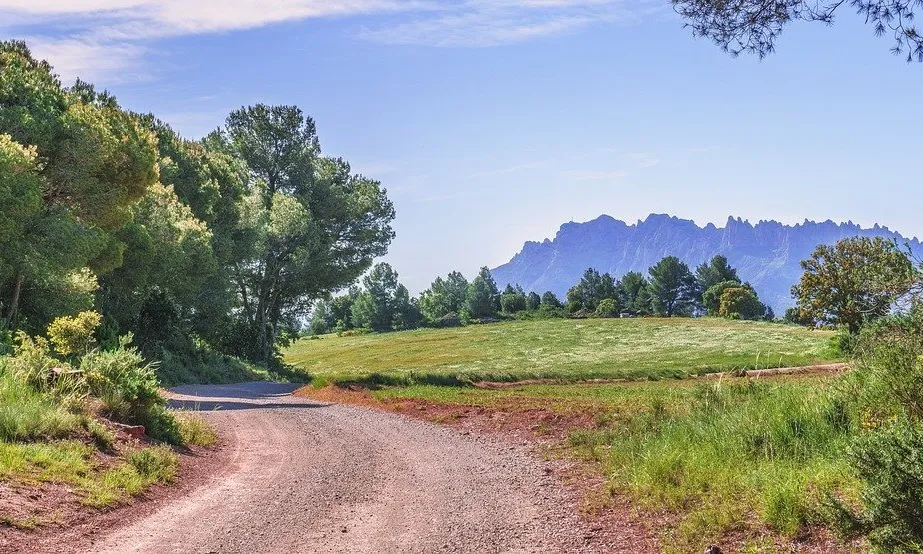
point(91, 60)
point(108, 39)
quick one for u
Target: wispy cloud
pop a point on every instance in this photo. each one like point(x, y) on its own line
point(109, 39)
point(493, 23)
point(590, 175)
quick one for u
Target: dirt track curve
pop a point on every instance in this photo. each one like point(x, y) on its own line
point(303, 476)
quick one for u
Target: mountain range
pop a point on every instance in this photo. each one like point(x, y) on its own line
point(766, 255)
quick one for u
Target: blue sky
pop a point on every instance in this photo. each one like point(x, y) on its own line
point(493, 122)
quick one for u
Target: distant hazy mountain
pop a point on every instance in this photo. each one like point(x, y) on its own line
point(766, 254)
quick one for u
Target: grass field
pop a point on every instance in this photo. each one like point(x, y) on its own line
point(560, 349)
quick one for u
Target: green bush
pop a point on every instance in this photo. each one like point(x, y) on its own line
point(889, 462)
point(74, 335)
point(129, 390)
point(450, 319)
point(843, 343)
point(884, 393)
point(606, 308)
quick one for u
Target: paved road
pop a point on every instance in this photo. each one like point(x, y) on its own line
point(309, 477)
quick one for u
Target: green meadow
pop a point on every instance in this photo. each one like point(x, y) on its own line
point(565, 349)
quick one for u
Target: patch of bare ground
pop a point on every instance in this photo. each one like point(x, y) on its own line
point(611, 522)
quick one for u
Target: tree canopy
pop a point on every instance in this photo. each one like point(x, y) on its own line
point(672, 287)
point(754, 26)
point(229, 240)
point(854, 281)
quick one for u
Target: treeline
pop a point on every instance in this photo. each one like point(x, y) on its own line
point(670, 289)
point(198, 248)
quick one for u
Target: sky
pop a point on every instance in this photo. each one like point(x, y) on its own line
point(492, 122)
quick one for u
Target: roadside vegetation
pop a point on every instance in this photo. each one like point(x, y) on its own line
point(71, 414)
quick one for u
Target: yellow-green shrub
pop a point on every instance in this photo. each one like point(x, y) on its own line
point(74, 335)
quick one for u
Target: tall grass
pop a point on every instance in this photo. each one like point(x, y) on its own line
point(730, 457)
point(28, 415)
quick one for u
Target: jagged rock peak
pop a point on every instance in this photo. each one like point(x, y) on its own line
point(766, 254)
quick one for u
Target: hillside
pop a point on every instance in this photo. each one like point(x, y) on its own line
point(766, 254)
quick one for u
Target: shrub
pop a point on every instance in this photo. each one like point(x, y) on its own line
point(129, 390)
point(450, 319)
point(606, 308)
point(581, 314)
point(354, 332)
point(32, 361)
point(885, 395)
point(843, 343)
point(192, 360)
point(74, 335)
point(890, 463)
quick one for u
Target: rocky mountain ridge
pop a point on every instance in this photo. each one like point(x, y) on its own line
point(766, 254)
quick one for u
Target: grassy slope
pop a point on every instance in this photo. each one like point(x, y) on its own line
point(565, 349)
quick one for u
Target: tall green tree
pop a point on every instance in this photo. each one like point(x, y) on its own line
point(855, 281)
point(512, 303)
point(482, 299)
point(715, 271)
point(672, 287)
point(550, 300)
point(533, 301)
point(592, 288)
point(340, 310)
point(385, 304)
point(93, 162)
point(317, 226)
point(444, 296)
point(167, 263)
point(632, 293)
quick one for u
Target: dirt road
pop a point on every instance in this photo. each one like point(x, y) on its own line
point(308, 477)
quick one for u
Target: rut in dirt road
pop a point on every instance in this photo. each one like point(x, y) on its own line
point(308, 477)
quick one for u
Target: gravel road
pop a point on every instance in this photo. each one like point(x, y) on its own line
point(303, 476)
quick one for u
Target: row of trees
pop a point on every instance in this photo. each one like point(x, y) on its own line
point(228, 239)
point(670, 289)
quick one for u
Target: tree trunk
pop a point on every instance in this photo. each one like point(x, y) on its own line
point(14, 305)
